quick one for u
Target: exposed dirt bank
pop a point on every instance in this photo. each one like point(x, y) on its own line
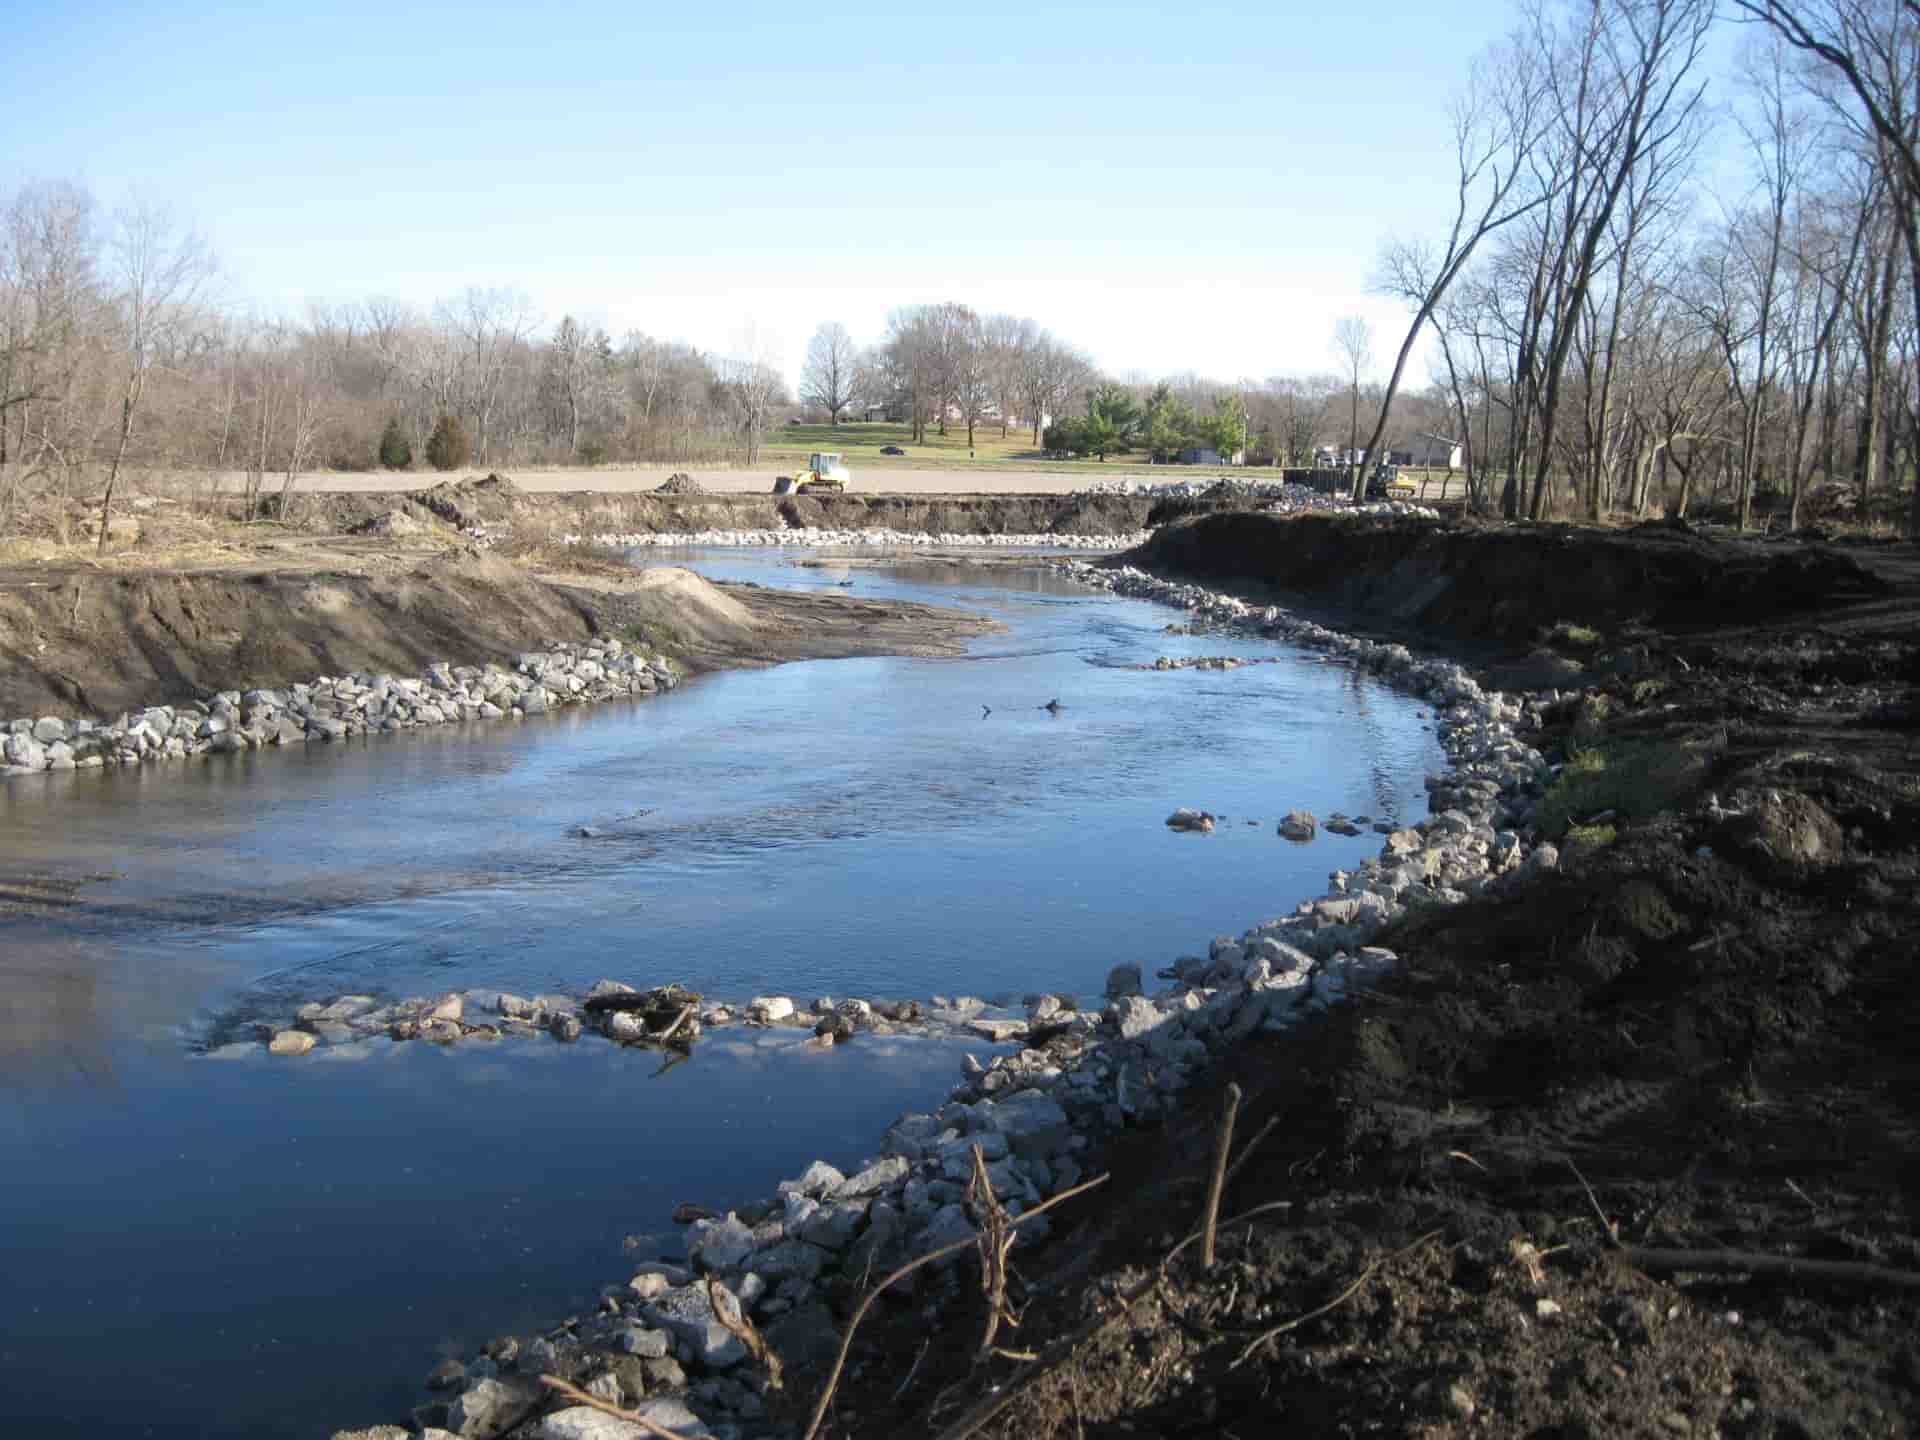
point(1498, 587)
point(502, 505)
point(1630, 1151)
point(988, 477)
point(79, 640)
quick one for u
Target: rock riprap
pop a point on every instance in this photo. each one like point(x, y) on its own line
point(669, 1016)
point(329, 708)
point(879, 537)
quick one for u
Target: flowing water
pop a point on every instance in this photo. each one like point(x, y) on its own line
point(191, 1246)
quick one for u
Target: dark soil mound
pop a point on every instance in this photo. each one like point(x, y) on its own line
point(1629, 1150)
point(1503, 585)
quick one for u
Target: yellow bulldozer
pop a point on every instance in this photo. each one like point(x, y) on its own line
point(825, 474)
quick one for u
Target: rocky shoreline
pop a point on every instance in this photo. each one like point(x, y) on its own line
point(332, 708)
point(1035, 1115)
point(880, 537)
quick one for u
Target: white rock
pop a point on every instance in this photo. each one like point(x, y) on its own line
point(579, 1422)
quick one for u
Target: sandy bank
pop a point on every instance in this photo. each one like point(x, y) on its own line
point(79, 641)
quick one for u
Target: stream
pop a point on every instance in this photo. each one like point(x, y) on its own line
point(265, 1247)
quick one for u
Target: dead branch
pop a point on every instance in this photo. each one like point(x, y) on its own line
point(1788, 1267)
point(684, 1016)
point(1246, 1151)
point(632, 1417)
point(1222, 1144)
point(1062, 1349)
point(1333, 1304)
point(742, 1328)
point(912, 1370)
point(866, 1301)
point(996, 1243)
point(1607, 1227)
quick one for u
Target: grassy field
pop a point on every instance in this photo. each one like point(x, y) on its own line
point(861, 442)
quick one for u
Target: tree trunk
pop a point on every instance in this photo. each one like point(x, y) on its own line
point(127, 402)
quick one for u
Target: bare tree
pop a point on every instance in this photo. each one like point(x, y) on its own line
point(831, 374)
point(1353, 344)
point(160, 270)
point(571, 357)
point(1006, 339)
point(1050, 372)
point(911, 358)
point(1873, 48)
point(1496, 125)
point(488, 327)
point(754, 388)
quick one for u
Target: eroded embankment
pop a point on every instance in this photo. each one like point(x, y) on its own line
point(80, 643)
point(496, 506)
point(1483, 588)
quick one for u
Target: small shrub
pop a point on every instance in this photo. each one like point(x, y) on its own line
point(447, 447)
point(593, 453)
point(396, 451)
point(1645, 690)
point(1596, 837)
point(1631, 778)
point(1574, 637)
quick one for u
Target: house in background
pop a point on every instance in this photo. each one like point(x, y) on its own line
point(1436, 452)
point(1207, 455)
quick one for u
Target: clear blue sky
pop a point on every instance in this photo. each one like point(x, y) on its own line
point(1173, 187)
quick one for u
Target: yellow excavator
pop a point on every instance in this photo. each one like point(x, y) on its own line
point(825, 473)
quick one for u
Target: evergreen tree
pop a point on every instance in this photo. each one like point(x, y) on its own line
point(395, 452)
point(447, 447)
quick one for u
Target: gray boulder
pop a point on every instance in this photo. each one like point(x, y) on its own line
point(579, 1422)
point(816, 1180)
point(490, 1408)
point(647, 1344)
point(805, 1338)
point(1135, 1017)
point(688, 1315)
point(882, 1175)
point(1123, 980)
point(1299, 826)
point(719, 1244)
point(1033, 1124)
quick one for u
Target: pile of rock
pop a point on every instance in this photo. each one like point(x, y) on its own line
point(679, 483)
point(664, 1016)
point(1202, 662)
point(338, 707)
point(1277, 497)
point(879, 537)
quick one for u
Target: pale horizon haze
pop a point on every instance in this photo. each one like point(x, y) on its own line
point(1202, 188)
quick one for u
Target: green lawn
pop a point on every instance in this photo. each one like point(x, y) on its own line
point(788, 446)
point(860, 443)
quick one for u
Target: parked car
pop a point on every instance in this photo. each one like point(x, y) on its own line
point(891, 450)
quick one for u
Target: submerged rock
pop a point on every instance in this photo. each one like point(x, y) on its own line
point(1299, 825)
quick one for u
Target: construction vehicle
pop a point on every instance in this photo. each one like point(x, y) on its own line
point(825, 473)
point(1388, 484)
